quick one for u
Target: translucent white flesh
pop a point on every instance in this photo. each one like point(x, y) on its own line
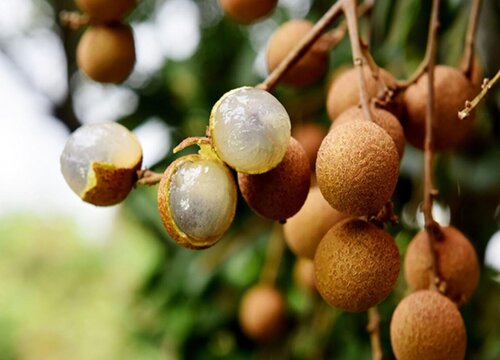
point(109, 143)
point(250, 130)
point(202, 199)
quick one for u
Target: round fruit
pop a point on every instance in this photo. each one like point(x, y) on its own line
point(247, 11)
point(451, 90)
point(457, 264)
point(197, 201)
point(100, 162)
point(250, 130)
point(427, 325)
point(310, 68)
point(303, 274)
point(357, 168)
point(356, 265)
point(304, 230)
point(106, 53)
point(382, 118)
point(281, 192)
point(344, 91)
point(262, 313)
point(310, 136)
point(104, 10)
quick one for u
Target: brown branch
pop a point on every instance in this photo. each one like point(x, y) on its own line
point(373, 329)
point(73, 20)
point(148, 178)
point(468, 54)
point(274, 254)
point(470, 105)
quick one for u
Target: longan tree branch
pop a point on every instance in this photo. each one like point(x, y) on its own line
point(274, 253)
point(148, 178)
point(466, 64)
point(470, 105)
point(373, 329)
point(73, 19)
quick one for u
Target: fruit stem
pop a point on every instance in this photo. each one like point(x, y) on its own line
point(470, 105)
point(373, 329)
point(274, 254)
point(147, 177)
point(73, 19)
point(468, 54)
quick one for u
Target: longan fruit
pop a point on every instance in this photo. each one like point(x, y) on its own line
point(247, 11)
point(309, 135)
point(457, 263)
point(356, 265)
point(357, 168)
point(344, 91)
point(382, 118)
point(262, 313)
point(451, 90)
point(303, 274)
point(304, 230)
point(105, 11)
point(106, 53)
point(279, 193)
point(310, 68)
point(427, 325)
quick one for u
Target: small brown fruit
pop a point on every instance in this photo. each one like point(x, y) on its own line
point(357, 168)
point(457, 264)
point(356, 265)
point(310, 136)
point(304, 230)
point(262, 313)
point(303, 274)
point(427, 325)
point(382, 118)
point(105, 10)
point(310, 68)
point(247, 11)
point(106, 53)
point(278, 194)
point(451, 90)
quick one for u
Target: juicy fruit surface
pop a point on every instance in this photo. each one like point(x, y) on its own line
point(106, 10)
point(278, 194)
point(427, 325)
point(201, 199)
point(357, 168)
point(250, 130)
point(457, 264)
point(247, 11)
point(356, 265)
point(105, 143)
point(106, 53)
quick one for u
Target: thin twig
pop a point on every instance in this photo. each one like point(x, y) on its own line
point(470, 105)
point(73, 19)
point(468, 54)
point(274, 253)
point(373, 329)
point(148, 178)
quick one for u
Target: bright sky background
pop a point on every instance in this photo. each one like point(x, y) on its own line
point(32, 78)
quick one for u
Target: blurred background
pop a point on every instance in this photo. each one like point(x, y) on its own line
point(81, 282)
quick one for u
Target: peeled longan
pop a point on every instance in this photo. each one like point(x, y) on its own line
point(344, 91)
point(247, 11)
point(427, 325)
point(457, 263)
point(106, 53)
point(262, 313)
point(310, 136)
point(451, 90)
point(357, 168)
point(279, 193)
point(382, 118)
point(304, 230)
point(106, 10)
point(356, 265)
point(310, 68)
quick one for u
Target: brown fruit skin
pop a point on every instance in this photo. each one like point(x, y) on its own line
point(304, 230)
point(427, 325)
point(303, 274)
point(310, 68)
point(451, 90)
point(247, 11)
point(356, 265)
point(280, 193)
point(106, 53)
point(344, 91)
point(357, 168)
point(382, 118)
point(262, 313)
point(310, 136)
point(457, 264)
point(105, 11)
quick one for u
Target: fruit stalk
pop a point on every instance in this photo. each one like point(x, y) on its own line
point(374, 331)
point(274, 253)
point(148, 177)
point(470, 105)
point(468, 54)
point(73, 20)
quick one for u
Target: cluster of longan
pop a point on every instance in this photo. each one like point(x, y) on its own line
point(106, 51)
